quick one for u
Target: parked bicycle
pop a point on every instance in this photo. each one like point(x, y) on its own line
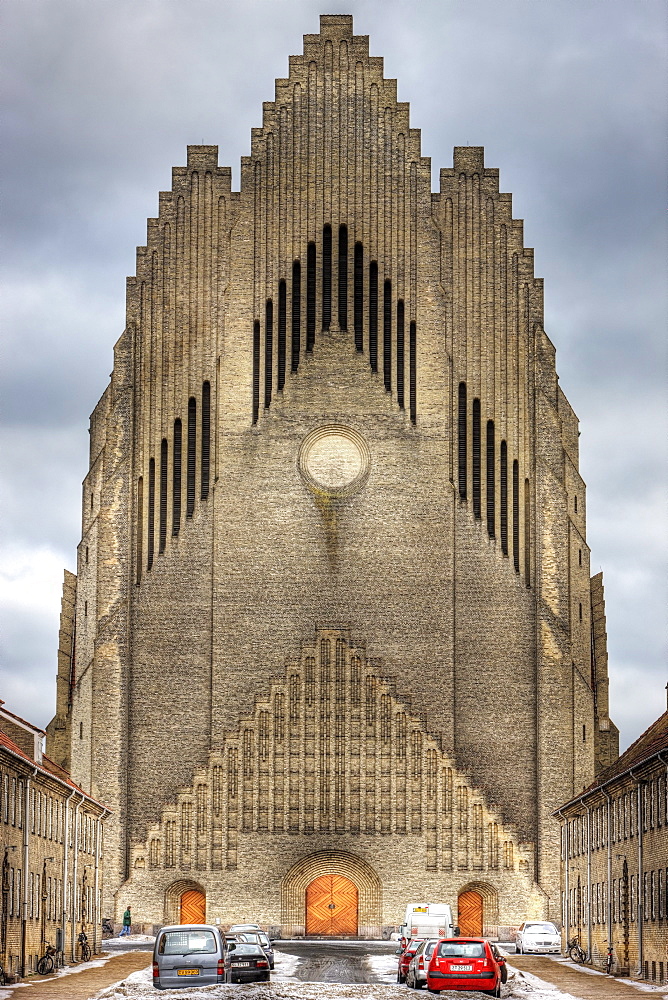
point(3, 978)
point(46, 963)
point(107, 927)
point(576, 952)
point(609, 960)
point(85, 947)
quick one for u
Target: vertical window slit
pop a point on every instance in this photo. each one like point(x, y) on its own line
point(256, 370)
point(504, 498)
point(162, 534)
point(192, 443)
point(140, 527)
point(462, 430)
point(373, 316)
point(476, 458)
point(359, 297)
point(151, 513)
point(296, 313)
point(387, 335)
point(527, 533)
point(310, 297)
point(400, 353)
point(413, 372)
point(343, 277)
point(268, 351)
point(176, 480)
point(516, 515)
point(326, 277)
point(206, 440)
point(282, 320)
point(489, 480)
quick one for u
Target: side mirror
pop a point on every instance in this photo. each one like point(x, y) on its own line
point(399, 951)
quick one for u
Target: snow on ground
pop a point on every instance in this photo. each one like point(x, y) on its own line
point(383, 967)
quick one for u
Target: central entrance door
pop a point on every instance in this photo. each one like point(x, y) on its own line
point(193, 907)
point(331, 906)
point(470, 914)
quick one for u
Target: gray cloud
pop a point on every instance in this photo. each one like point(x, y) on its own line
point(569, 101)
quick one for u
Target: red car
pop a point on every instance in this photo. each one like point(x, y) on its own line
point(466, 964)
point(405, 955)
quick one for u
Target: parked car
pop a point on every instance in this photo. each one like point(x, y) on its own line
point(186, 955)
point(258, 937)
point(538, 935)
point(246, 963)
point(465, 964)
point(416, 974)
point(240, 928)
point(405, 955)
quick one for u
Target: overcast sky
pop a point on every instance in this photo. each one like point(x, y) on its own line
point(567, 97)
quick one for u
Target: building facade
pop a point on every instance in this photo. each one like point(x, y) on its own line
point(52, 863)
point(332, 644)
point(615, 861)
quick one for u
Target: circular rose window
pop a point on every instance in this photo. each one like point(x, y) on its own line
point(334, 459)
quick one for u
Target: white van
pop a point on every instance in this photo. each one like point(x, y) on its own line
point(428, 920)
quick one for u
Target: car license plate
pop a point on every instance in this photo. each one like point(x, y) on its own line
point(242, 965)
point(462, 968)
point(188, 972)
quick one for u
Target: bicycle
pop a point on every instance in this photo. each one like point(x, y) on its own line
point(3, 977)
point(46, 962)
point(575, 951)
point(609, 961)
point(85, 947)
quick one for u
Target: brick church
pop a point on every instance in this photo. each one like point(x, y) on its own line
point(333, 645)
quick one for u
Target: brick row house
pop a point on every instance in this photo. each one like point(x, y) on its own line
point(52, 843)
point(615, 861)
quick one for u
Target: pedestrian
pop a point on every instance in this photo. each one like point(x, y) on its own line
point(127, 921)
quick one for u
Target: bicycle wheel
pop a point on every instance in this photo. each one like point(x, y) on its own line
point(45, 965)
point(85, 953)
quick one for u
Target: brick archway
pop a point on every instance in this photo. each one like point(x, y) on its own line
point(478, 910)
point(354, 871)
point(185, 902)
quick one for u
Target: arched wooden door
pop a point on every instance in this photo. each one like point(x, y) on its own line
point(193, 907)
point(331, 906)
point(470, 914)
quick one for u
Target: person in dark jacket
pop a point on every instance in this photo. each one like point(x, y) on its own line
point(127, 922)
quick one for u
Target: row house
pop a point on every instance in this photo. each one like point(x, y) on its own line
point(52, 852)
point(614, 855)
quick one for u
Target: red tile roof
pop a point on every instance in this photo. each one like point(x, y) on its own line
point(47, 766)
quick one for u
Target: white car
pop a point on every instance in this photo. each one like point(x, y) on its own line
point(539, 936)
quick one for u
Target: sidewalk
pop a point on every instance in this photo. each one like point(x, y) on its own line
point(79, 985)
point(581, 982)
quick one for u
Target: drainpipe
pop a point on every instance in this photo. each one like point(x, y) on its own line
point(75, 866)
point(26, 863)
point(66, 857)
point(608, 915)
point(589, 882)
point(640, 897)
point(96, 904)
point(566, 913)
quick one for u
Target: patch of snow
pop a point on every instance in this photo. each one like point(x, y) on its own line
point(285, 966)
point(384, 967)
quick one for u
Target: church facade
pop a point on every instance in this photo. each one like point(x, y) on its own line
point(332, 645)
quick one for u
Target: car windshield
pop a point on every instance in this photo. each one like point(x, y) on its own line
point(253, 937)
point(187, 943)
point(247, 949)
point(540, 929)
point(461, 949)
point(428, 948)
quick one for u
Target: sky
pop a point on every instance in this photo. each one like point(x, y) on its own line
point(101, 98)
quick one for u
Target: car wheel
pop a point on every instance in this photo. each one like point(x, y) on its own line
point(504, 973)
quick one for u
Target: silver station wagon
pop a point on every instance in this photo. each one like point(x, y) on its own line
point(187, 955)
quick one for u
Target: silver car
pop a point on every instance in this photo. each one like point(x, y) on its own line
point(416, 977)
point(187, 955)
point(538, 936)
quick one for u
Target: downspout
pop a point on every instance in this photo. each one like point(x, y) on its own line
point(96, 904)
point(75, 866)
point(589, 883)
point(566, 913)
point(609, 875)
point(66, 857)
point(640, 901)
point(26, 863)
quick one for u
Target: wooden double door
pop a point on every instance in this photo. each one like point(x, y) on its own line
point(470, 914)
point(193, 907)
point(331, 907)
